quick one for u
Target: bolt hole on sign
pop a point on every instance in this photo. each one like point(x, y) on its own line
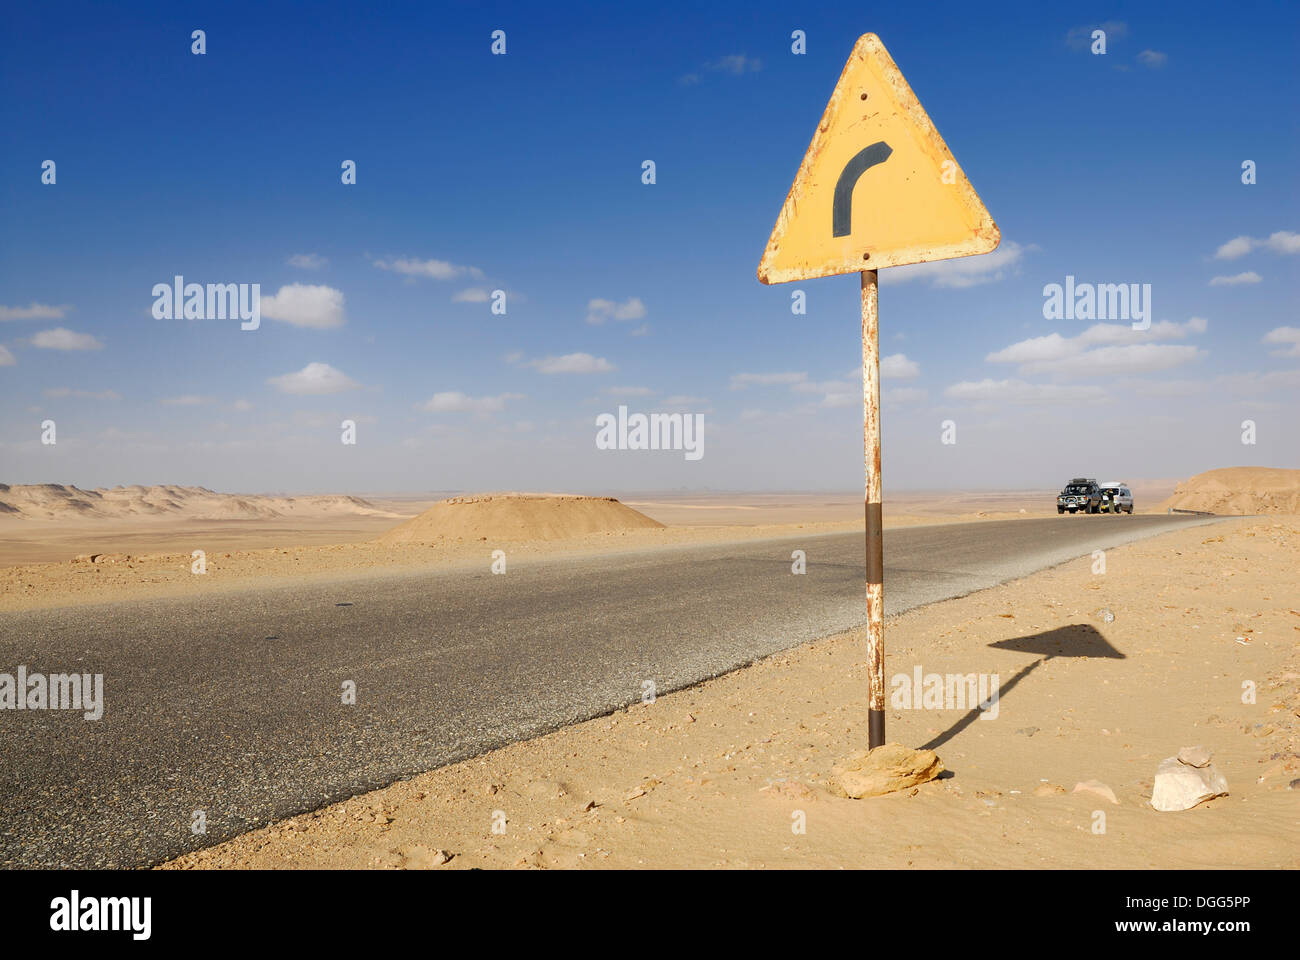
point(878, 187)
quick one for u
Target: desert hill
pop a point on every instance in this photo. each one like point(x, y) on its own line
point(54, 501)
point(518, 516)
point(1239, 491)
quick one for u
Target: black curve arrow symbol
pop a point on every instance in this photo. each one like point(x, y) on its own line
point(842, 213)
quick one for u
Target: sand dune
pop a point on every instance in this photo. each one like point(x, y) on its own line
point(54, 501)
point(518, 516)
point(1238, 491)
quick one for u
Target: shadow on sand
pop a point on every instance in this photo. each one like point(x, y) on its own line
point(1075, 640)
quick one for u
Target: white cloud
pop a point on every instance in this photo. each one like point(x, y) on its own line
point(572, 363)
point(436, 269)
point(897, 367)
point(315, 379)
point(640, 331)
point(1103, 348)
point(6, 358)
point(308, 261)
point(736, 63)
point(629, 391)
point(1234, 248)
point(61, 392)
point(34, 311)
point(1024, 394)
point(1257, 383)
point(306, 305)
point(963, 271)
point(1153, 59)
point(903, 396)
point(186, 400)
point(682, 400)
point(1283, 241)
point(739, 381)
point(1280, 241)
point(471, 295)
point(61, 338)
point(1285, 335)
point(1249, 276)
point(1113, 361)
point(835, 393)
point(453, 401)
point(598, 311)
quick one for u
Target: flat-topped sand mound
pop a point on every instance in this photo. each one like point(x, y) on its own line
point(1236, 491)
point(518, 516)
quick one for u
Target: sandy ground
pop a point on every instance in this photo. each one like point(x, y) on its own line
point(720, 775)
point(144, 558)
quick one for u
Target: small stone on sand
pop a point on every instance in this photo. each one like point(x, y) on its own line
point(872, 773)
point(1194, 756)
point(1096, 787)
point(1180, 786)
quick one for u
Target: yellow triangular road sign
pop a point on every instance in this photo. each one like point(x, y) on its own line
point(877, 187)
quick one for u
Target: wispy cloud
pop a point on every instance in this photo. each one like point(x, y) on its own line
point(1285, 335)
point(735, 64)
point(453, 401)
point(1104, 349)
point(315, 379)
point(34, 311)
point(1280, 241)
point(629, 391)
point(1153, 59)
point(963, 271)
point(1020, 393)
point(598, 310)
point(60, 338)
point(739, 381)
point(1249, 276)
point(58, 393)
point(434, 269)
point(571, 363)
point(897, 367)
point(308, 261)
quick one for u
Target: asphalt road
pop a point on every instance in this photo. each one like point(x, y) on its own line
point(232, 704)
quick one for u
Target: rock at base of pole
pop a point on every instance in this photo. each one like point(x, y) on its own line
point(884, 769)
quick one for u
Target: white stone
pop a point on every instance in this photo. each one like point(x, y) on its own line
point(1179, 786)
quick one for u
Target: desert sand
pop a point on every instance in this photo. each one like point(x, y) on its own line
point(1101, 677)
point(518, 516)
point(1238, 491)
point(142, 539)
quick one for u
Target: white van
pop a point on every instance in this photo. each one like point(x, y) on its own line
point(1116, 497)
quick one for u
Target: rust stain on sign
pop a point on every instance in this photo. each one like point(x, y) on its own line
point(878, 187)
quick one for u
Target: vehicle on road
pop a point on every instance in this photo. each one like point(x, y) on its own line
point(1116, 497)
point(1080, 494)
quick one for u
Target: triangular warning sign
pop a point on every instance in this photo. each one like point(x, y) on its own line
point(877, 187)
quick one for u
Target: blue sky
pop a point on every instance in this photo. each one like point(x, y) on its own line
point(522, 172)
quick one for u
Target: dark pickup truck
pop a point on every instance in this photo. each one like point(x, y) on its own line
point(1081, 493)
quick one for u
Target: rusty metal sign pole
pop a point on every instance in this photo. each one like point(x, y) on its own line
point(873, 500)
